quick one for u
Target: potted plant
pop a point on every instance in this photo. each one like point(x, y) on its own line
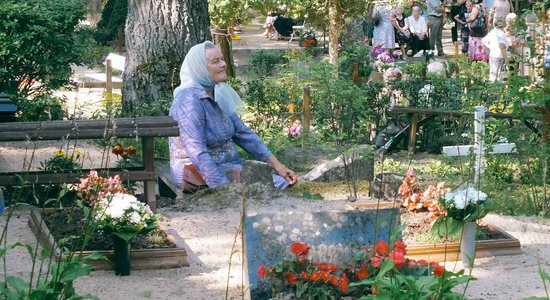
point(308, 39)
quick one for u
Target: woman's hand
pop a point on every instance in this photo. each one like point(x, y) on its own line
point(282, 170)
point(287, 174)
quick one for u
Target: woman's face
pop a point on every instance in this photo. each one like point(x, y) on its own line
point(416, 11)
point(216, 64)
point(398, 10)
point(469, 6)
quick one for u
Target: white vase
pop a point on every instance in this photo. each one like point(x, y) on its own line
point(468, 244)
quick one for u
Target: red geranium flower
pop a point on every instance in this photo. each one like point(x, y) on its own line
point(381, 247)
point(334, 280)
point(438, 269)
point(327, 267)
point(363, 272)
point(422, 262)
point(262, 271)
point(291, 277)
point(315, 276)
point(375, 261)
point(344, 283)
point(325, 276)
point(299, 249)
point(398, 258)
point(400, 247)
point(305, 275)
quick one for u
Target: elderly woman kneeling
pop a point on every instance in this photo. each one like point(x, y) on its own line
point(206, 110)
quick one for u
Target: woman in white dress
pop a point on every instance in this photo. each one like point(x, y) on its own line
point(383, 33)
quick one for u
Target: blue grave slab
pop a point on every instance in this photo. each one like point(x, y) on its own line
point(334, 236)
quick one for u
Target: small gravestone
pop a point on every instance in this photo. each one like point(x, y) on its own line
point(335, 170)
point(334, 236)
point(256, 172)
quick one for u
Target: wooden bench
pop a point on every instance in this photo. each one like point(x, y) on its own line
point(145, 128)
point(107, 80)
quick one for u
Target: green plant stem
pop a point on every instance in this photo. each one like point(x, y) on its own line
point(239, 230)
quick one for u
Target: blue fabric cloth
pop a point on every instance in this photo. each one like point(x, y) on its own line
point(206, 138)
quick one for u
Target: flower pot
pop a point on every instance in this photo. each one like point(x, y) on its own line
point(121, 257)
point(467, 244)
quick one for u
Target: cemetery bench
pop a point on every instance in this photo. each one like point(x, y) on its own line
point(414, 113)
point(144, 128)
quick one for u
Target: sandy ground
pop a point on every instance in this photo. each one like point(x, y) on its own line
point(207, 228)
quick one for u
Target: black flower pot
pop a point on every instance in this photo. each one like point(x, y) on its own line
point(121, 257)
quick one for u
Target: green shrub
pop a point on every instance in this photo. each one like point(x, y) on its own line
point(40, 108)
point(266, 104)
point(264, 63)
point(37, 44)
point(348, 57)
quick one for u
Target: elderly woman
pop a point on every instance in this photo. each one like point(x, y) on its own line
point(519, 48)
point(419, 30)
point(206, 110)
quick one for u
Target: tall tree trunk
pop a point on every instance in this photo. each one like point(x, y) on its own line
point(333, 33)
point(224, 42)
point(158, 35)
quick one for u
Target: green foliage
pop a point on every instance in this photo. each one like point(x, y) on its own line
point(264, 63)
point(350, 56)
point(40, 108)
point(62, 162)
point(267, 105)
point(37, 44)
point(415, 69)
point(113, 17)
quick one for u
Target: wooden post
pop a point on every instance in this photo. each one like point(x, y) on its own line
point(109, 78)
point(456, 48)
point(148, 145)
point(413, 120)
point(306, 114)
point(355, 73)
point(120, 38)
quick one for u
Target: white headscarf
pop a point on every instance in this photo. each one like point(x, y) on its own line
point(194, 73)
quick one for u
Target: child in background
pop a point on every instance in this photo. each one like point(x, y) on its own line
point(497, 43)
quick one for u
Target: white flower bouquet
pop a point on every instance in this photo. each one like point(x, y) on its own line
point(465, 204)
point(123, 215)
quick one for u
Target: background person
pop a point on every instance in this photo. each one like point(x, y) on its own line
point(383, 34)
point(476, 50)
point(497, 44)
point(456, 8)
point(419, 30)
point(205, 108)
point(461, 18)
point(402, 33)
point(499, 9)
point(436, 12)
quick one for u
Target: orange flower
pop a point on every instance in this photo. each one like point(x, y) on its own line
point(299, 249)
point(381, 247)
point(305, 275)
point(334, 280)
point(131, 150)
point(344, 283)
point(327, 267)
point(325, 276)
point(117, 149)
point(262, 271)
point(315, 276)
point(363, 272)
point(291, 277)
